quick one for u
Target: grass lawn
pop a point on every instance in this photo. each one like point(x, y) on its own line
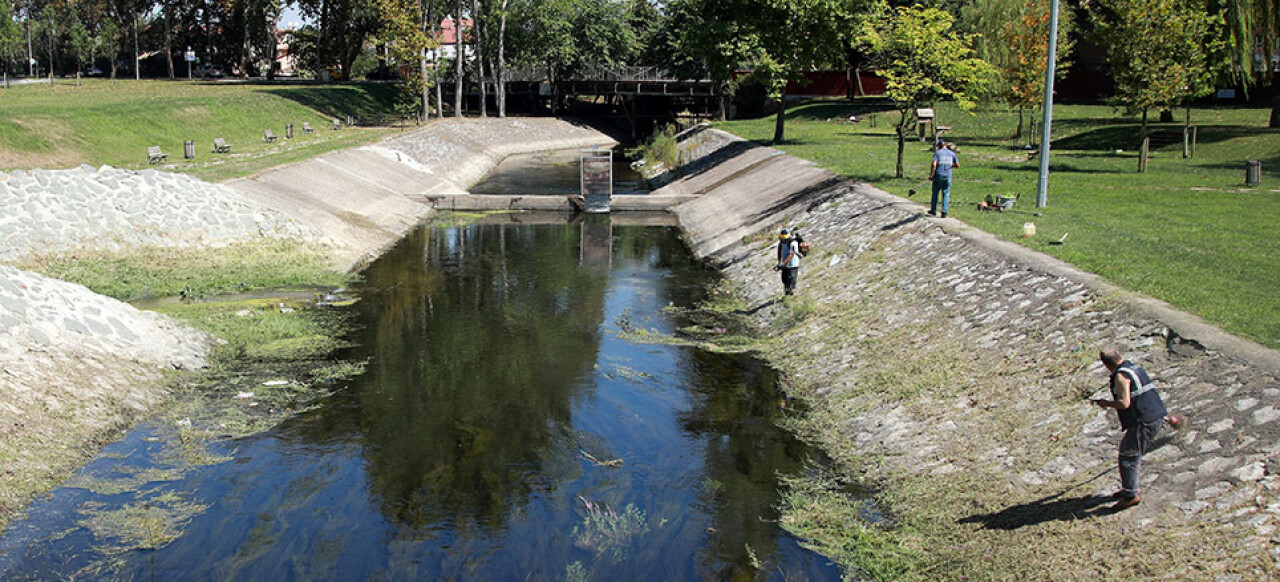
point(1187, 231)
point(113, 122)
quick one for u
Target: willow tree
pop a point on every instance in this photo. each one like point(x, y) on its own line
point(1250, 23)
point(922, 59)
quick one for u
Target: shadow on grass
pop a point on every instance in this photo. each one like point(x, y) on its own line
point(1056, 507)
point(1054, 168)
point(1129, 136)
point(824, 111)
point(360, 101)
point(758, 308)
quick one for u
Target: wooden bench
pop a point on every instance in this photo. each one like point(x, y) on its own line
point(155, 156)
point(337, 123)
point(268, 137)
point(306, 128)
point(220, 146)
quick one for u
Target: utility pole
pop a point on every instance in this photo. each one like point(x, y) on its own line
point(1042, 186)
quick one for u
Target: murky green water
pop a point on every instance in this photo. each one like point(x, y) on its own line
point(503, 430)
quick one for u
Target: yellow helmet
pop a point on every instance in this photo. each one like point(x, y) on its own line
point(784, 234)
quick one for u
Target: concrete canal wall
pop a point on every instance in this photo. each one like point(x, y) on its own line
point(938, 351)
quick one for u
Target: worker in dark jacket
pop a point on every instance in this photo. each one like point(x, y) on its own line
point(1141, 412)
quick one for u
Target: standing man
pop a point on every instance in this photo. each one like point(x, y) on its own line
point(1141, 413)
point(788, 261)
point(944, 159)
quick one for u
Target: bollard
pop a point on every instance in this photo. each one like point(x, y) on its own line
point(288, 131)
point(189, 149)
point(1252, 172)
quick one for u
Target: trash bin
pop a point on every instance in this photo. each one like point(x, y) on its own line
point(189, 149)
point(288, 131)
point(1252, 172)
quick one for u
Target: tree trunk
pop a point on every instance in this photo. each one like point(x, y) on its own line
point(478, 42)
point(902, 146)
point(1142, 146)
point(502, 64)
point(1017, 134)
point(1274, 123)
point(1166, 116)
point(459, 58)
point(168, 49)
point(779, 125)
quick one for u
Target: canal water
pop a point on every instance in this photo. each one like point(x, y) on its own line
point(521, 417)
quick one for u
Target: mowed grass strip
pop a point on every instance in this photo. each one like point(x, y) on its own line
point(1188, 231)
point(113, 122)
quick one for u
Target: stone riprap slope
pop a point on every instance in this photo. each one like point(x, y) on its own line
point(48, 211)
point(74, 367)
point(958, 365)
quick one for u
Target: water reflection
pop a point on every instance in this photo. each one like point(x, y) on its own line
point(480, 338)
point(503, 430)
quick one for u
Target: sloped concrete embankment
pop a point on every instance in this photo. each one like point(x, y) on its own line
point(947, 357)
point(367, 199)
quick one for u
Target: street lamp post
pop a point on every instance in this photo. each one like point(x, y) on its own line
point(1042, 186)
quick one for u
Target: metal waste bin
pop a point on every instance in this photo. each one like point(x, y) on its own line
point(1252, 172)
point(288, 131)
point(189, 149)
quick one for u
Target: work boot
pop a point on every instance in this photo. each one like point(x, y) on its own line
point(1126, 503)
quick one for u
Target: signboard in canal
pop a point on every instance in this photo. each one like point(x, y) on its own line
point(597, 179)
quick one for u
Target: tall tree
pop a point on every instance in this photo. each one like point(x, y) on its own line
point(477, 41)
point(82, 42)
point(10, 37)
point(460, 57)
point(1013, 35)
point(922, 59)
point(501, 72)
point(414, 27)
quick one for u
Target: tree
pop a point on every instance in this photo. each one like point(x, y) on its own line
point(922, 59)
point(1013, 35)
point(411, 28)
point(702, 39)
point(83, 43)
point(10, 37)
point(1248, 22)
point(1159, 52)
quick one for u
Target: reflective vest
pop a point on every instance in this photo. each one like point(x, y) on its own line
point(789, 254)
point(1145, 404)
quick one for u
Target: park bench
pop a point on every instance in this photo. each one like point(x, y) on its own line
point(337, 123)
point(220, 146)
point(268, 137)
point(155, 156)
point(306, 128)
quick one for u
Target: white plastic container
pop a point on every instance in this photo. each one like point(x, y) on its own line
point(1028, 229)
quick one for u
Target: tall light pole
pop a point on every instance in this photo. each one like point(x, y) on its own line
point(1042, 186)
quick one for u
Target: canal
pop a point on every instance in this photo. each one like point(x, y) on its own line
point(523, 415)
